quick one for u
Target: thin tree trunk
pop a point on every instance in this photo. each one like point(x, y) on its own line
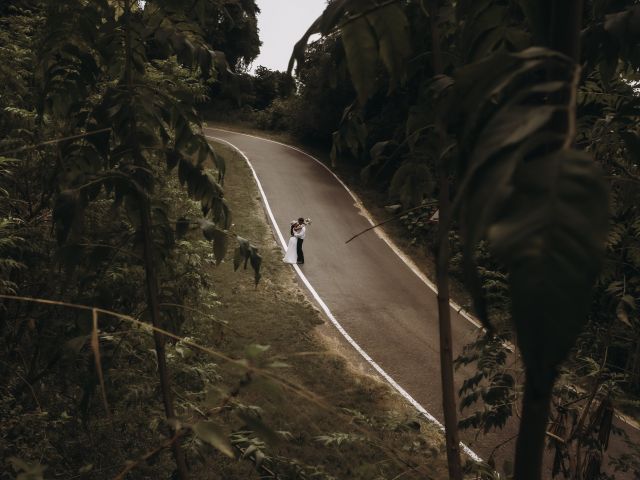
point(154, 310)
point(153, 304)
point(442, 282)
point(446, 341)
point(635, 366)
point(566, 23)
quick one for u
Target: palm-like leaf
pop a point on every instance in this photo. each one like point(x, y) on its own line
point(542, 205)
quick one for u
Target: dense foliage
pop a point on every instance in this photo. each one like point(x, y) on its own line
point(247, 97)
point(98, 101)
point(513, 100)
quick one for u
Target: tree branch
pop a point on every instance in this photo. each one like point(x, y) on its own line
point(54, 141)
point(149, 455)
point(356, 16)
point(400, 215)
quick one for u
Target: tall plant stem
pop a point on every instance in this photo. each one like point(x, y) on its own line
point(154, 309)
point(566, 23)
point(446, 341)
point(151, 277)
point(533, 427)
point(442, 282)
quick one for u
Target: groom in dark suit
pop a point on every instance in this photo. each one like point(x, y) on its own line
point(300, 236)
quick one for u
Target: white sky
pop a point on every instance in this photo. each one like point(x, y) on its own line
point(281, 24)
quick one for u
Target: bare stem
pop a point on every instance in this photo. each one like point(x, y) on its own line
point(396, 217)
point(452, 437)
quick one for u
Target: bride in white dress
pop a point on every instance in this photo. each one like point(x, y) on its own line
point(291, 256)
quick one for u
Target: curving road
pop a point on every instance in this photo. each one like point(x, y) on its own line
point(372, 295)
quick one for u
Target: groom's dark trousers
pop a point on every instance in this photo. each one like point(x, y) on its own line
point(299, 251)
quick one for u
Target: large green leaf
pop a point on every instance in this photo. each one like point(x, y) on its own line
point(538, 13)
point(247, 253)
point(370, 32)
point(392, 32)
point(65, 213)
point(625, 25)
point(551, 234)
point(202, 186)
point(361, 50)
point(219, 238)
point(324, 24)
point(173, 32)
point(411, 184)
point(253, 422)
point(212, 434)
point(489, 175)
point(484, 27)
point(542, 205)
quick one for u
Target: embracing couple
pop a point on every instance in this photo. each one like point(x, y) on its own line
point(294, 252)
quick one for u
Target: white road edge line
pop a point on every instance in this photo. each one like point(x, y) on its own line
point(363, 211)
point(326, 309)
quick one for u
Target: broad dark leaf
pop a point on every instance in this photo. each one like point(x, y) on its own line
point(219, 238)
point(256, 262)
point(542, 206)
point(182, 227)
point(237, 258)
point(65, 212)
point(324, 24)
point(370, 33)
point(538, 13)
point(625, 26)
point(202, 186)
point(411, 184)
point(220, 245)
point(214, 435)
point(247, 253)
point(256, 424)
point(504, 112)
point(484, 28)
point(392, 33)
point(632, 143)
point(550, 234)
point(361, 50)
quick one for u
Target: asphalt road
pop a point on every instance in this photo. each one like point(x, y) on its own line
point(375, 296)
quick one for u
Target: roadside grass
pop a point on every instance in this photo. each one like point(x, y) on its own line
point(358, 428)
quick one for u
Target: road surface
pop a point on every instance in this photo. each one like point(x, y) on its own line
point(378, 300)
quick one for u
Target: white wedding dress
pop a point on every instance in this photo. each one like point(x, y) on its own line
point(291, 256)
